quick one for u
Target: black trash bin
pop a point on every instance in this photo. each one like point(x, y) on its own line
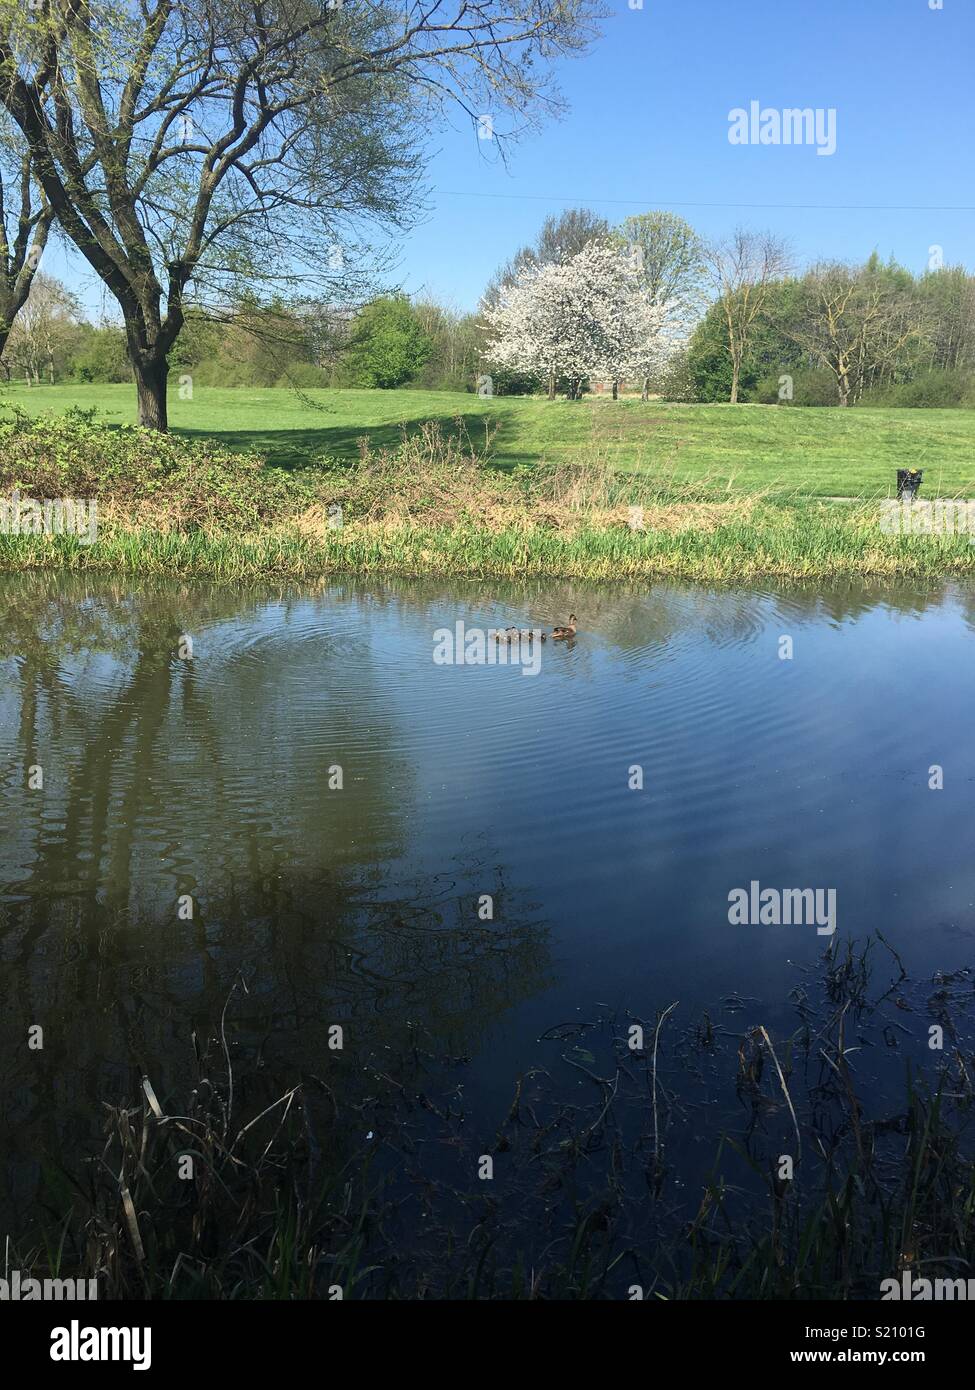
point(908, 482)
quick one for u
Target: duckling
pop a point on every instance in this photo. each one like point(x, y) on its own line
point(508, 634)
point(561, 633)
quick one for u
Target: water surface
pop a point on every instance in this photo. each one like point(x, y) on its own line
point(216, 779)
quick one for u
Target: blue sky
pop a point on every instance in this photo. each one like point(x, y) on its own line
point(647, 127)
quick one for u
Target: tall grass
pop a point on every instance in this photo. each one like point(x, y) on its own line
point(373, 1193)
point(435, 505)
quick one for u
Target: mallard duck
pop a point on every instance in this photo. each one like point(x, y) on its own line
point(561, 633)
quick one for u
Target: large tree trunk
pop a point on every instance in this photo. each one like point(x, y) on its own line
point(151, 376)
point(735, 376)
point(551, 386)
point(645, 393)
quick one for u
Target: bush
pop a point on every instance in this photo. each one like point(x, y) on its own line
point(194, 484)
point(677, 383)
point(103, 357)
point(811, 386)
point(305, 375)
point(936, 390)
point(388, 346)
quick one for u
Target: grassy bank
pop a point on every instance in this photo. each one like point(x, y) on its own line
point(433, 502)
point(779, 450)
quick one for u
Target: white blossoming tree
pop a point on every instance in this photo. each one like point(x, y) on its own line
point(584, 318)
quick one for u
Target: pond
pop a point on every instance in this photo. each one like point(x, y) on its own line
point(302, 798)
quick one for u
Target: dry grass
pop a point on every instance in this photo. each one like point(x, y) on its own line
point(435, 504)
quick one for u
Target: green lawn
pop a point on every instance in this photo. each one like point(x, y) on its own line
point(751, 447)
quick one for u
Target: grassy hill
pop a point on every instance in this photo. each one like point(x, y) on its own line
point(750, 448)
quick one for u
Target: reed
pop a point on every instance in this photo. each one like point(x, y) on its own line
point(289, 1197)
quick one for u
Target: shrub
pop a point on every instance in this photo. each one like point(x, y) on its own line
point(388, 346)
point(103, 357)
point(810, 386)
point(931, 389)
point(677, 383)
point(195, 484)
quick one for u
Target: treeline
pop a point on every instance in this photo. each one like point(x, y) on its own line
point(390, 342)
point(750, 329)
point(873, 334)
point(269, 171)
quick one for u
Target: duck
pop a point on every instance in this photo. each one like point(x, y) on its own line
point(518, 634)
point(560, 634)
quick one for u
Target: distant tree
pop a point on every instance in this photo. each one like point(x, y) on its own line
point(668, 259)
point(456, 346)
point(742, 271)
point(668, 256)
point(43, 332)
point(101, 355)
point(586, 317)
point(771, 350)
point(561, 237)
point(25, 220)
point(948, 296)
point(388, 346)
point(858, 323)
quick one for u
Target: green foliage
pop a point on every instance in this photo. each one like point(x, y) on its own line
point(199, 484)
point(260, 346)
point(931, 389)
point(101, 356)
point(388, 345)
point(454, 363)
point(810, 386)
point(511, 383)
point(751, 448)
point(671, 262)
point(772, 351)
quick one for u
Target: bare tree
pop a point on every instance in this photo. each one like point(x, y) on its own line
point(25, 220)
point(189, 141)
point(856, 323)
point(43, 329)
point(561, 237)
point(742, 270)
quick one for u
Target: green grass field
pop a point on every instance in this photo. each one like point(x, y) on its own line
point(782, 449)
